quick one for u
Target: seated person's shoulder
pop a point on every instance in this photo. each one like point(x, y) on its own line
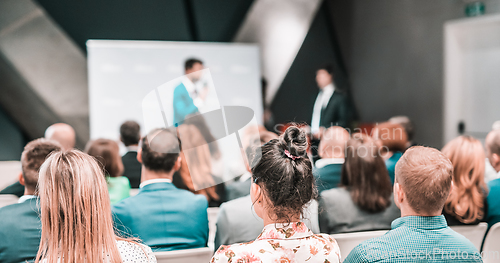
point(135, 251)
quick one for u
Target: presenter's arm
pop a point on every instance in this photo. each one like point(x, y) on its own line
point(183, 103)
point(343, 112)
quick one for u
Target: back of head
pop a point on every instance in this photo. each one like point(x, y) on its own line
point(75, 210)
point(392, 135)
point(33, 156)
point(130, 133)
point(189, 63)
point(365, 176)
point(333, 142)
point(285, 173)
point(406, 123)
point(107, 153)
point(425, 176)
point(493, 142)
point(160, 150)
point(63, 134)
point(466, 200)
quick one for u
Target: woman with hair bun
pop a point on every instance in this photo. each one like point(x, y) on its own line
point(282, 184)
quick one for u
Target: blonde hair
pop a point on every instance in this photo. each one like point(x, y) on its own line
point(77, 225)
point(466, 200)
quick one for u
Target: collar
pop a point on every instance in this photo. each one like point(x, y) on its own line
point(188, 84)
point(324, 162)
point(23, 198)
point(132, 148)
point(420, 222)
point(293, 230)
point(328, 88)
point(154, 181)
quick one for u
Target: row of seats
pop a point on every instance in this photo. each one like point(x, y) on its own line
point(348, 241)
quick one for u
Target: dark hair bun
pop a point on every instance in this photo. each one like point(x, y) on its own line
point(294, 140)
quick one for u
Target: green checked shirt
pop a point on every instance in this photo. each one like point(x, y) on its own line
point(416, 239)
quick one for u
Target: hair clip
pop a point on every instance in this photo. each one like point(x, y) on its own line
point(293, 157)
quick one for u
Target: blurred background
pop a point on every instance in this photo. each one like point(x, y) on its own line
point(420, 58)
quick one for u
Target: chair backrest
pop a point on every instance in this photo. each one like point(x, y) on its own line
point(9, 172)
point(348, 241)
point(474, 234)
point(491, 246)
point(212, 212)
point(195, 255)
point(6, 200)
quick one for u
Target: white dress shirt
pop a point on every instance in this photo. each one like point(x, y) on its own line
point(194, 90)
point(321, 102)
point(153, 181)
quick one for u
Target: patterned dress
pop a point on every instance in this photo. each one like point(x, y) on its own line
point(284, 244)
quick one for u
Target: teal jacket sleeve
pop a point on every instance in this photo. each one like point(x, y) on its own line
point(183, 104)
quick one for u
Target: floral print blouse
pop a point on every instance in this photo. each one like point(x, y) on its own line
point(282, 243)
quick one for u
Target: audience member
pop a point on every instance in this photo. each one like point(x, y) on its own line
point(493, 199)
point(20, 224)
point(163, 216)
point(130, 134)
point(107, 153)
point(237, 221)
point(408, 127)
point(331, 150)
point(423, 183)
point(283, 184)
point(363, 202)
point(77, 225)
point(62, 133)
point(393, 138)
point(466, 204)
point(241, 186)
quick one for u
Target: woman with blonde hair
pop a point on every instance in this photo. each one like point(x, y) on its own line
point(466, 203)
point(107, 153)
point(77, 225)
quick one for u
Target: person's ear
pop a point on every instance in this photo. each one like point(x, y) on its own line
point(399, 195)
point(21, 179)
point(255, 193)
point(495, 160)
point(178, 163)
point(139, 155)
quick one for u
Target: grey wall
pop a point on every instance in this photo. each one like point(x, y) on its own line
point(394, 57)
point(11, 139)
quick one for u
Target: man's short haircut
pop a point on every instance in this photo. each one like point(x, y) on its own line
point(425, 176)
point(190, 63)
point(160, 150)
point(327, 67)
point(130, 132)
point(493, 142)
point(32, 158)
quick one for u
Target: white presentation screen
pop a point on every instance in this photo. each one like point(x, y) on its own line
point(123, 73)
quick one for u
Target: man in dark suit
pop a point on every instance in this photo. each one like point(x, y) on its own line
point(161, 215)
point(130, 134)
point(331, 107)
point(20, 225)
point(328, 170)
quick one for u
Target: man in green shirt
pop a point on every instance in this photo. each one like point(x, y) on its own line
point(422, 184)
point(19, 223)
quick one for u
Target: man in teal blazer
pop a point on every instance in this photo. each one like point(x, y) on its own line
point(187, 97)
point(161, 215)
point(20, 225)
